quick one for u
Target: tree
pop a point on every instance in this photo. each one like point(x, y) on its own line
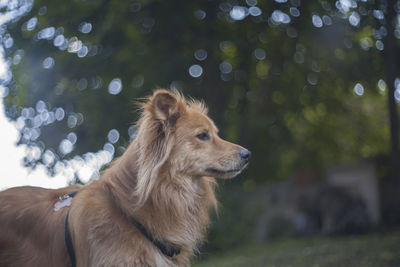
point(279, 77)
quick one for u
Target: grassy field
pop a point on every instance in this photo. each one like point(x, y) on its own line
point(374, 250)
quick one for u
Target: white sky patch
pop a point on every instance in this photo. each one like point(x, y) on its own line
point(12, 171)
point(3, 69)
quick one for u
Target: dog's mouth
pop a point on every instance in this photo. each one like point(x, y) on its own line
point(216, 171)
point(223, 173)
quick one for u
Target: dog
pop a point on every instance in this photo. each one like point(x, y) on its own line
point(150, 207)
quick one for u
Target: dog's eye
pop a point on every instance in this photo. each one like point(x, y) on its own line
point(203, 136)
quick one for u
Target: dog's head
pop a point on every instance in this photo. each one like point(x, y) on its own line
point(176, 136)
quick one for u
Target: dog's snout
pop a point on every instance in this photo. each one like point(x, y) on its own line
point(245, 154)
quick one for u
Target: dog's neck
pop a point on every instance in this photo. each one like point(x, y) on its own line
point(176, 211)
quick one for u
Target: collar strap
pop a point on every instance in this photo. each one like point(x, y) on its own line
point(166, 249)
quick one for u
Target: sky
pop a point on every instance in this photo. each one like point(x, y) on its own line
point(12, 171)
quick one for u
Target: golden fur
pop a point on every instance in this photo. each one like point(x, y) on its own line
point(164, 180)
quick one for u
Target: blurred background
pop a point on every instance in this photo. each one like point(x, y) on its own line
point(312, 88)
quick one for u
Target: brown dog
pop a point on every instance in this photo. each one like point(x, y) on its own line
point(149, 208)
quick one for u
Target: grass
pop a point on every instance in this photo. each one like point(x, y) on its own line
point(373, 250)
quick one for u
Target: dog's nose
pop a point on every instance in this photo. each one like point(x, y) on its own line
point(245, 154)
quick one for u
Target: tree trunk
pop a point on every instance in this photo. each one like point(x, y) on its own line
point(391, 71)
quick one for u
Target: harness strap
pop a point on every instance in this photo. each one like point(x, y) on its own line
point(68, 242)
point(68, 239)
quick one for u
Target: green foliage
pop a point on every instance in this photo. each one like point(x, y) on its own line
point(292, 103)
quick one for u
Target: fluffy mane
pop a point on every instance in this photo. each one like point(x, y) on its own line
point(144, 180)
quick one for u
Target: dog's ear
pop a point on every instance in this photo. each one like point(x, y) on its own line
point(166, 107)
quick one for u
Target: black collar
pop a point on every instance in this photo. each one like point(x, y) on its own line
point(166, 249)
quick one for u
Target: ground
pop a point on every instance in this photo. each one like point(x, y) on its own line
point(371, 250)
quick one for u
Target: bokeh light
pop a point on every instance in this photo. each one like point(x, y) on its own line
point(48, 63)
point(358, 89)
point(113, 136)
point(317, 21)
point(280, 17)
point(200, 54)
point(115, 86)
point(238, 12)
point(195, 71)
point(85, 27)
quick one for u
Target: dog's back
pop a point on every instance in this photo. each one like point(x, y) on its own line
point(31, 232)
